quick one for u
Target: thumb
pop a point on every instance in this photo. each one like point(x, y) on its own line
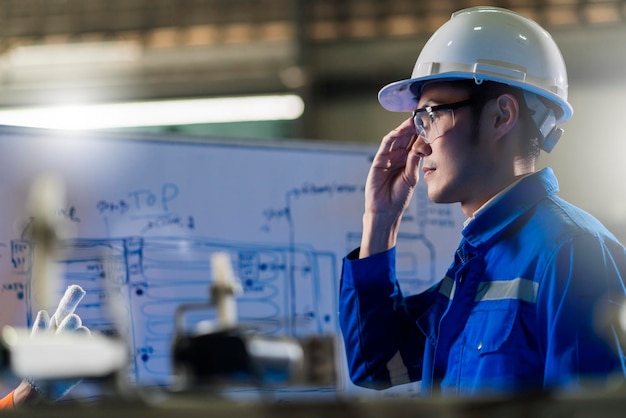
point(412, 169)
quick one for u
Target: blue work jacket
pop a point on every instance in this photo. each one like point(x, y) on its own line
point(519, 309)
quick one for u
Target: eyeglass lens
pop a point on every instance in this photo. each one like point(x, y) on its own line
point(430, 125)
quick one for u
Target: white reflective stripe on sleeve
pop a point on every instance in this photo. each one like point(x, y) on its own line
point(447, 287)
point(520, 289)
point(398, 373)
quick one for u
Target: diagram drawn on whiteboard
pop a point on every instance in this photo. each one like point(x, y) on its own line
point(135, 284)
point(147, 226)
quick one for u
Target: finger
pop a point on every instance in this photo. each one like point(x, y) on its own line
point(393, 151)
point(71, 323)
point(41, 324)
point(412, 168)
point(68, 303)
point(83, 330)
point(398, 138)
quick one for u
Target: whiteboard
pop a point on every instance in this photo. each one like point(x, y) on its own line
point(146, 212)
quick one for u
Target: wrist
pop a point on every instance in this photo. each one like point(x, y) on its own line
point(380, 234)
point(24, 393)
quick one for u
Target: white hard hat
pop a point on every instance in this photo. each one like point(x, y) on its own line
point(492, 44)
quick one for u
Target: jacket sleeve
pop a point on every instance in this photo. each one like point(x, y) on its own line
point(582, 283)
point(383, 345)
point(7, 401)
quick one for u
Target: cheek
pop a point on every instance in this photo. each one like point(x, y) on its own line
point(457, 159)
point(456, 152)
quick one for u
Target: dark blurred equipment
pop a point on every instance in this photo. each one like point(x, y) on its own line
point(238, 357)
point(232, 354)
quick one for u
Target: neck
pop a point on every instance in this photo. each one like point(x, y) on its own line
point(519, 170)
point(523, 167)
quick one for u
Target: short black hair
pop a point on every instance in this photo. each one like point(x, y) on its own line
point(481, 93)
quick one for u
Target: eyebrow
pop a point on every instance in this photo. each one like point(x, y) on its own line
point(429, 102)
point(433, 102)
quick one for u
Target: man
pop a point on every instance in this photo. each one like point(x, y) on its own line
point(518, 309)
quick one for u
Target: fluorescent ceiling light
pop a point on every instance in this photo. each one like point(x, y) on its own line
point(156, 113)
point(87, 53)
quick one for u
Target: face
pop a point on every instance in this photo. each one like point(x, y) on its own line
point(455, 165)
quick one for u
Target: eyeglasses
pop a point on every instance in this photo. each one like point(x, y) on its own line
point(431, 122)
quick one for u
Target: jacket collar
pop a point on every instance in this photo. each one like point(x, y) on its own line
point(494, 219)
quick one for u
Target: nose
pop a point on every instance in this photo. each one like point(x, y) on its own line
point(423, 149)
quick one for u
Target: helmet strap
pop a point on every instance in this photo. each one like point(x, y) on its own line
point(545, 121)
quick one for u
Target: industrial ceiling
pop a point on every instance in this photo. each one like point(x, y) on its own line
point(112, 50)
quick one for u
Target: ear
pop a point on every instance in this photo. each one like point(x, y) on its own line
point(505, 115)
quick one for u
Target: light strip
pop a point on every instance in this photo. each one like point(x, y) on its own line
point(156, 113)
point(80, 53)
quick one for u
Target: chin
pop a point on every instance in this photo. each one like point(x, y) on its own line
point(439, 197)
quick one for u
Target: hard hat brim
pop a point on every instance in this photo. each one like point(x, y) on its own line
point(400, 96)
point(403, 96)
